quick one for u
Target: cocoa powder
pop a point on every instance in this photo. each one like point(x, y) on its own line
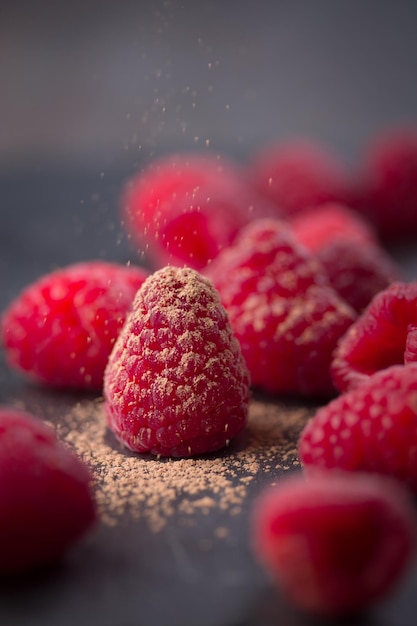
point(155, 489)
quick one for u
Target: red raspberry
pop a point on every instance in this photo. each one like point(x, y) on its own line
point(356, 265)
point(329, 222)
point(385, 334)
point(286, 317)
point(61, 329)
point(357, 273)
point(183, 208)
point(176, 383)
point(335, 544)
point(387, 184)
point(45, 499)
point(371, 428)
point(298, 175)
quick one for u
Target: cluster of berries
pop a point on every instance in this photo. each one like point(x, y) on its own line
point(339, 538)
point(272, 277)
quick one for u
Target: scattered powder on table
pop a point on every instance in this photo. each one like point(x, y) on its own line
point(156, 489)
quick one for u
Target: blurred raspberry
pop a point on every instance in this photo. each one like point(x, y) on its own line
point(387, 184)
point(356, 264)
point(46, 502)
point(385, 334)
point(184, 208)
point(285, 315)
point(299, 174)
point(60, 330)
point(176, 383)
point(329, 222)
point(357, 274)
point(335, 544)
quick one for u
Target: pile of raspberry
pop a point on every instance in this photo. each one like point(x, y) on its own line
point(272, 276)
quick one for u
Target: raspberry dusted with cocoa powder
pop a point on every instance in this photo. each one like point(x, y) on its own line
point(385, 334)
point(60, 330)
point(297, 175)
point(176, 383)
point(355, 263)
point(183, 208)
point(335, 544)
point(371, 428)
point(387, 183)
point(46, 501)
point(285, 315)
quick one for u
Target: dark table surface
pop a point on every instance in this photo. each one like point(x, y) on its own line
point(198, 567)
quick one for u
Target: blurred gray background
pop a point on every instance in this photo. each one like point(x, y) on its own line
point(104, 82)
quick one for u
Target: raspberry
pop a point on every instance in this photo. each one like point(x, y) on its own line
point(61, 329)
point(385, 334)
point(371, 428)
point(298, 175)
point(176, 383)
point(329, 222)
point(286, 317)
point(46, 503)
point(335, 544)
point(183, 208)
point(387, 184)
point(357, 273)
point(356, 265)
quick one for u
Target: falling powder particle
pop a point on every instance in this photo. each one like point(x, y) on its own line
point(221, 532)
point(156, 489)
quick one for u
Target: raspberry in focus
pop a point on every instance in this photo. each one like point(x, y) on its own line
point(176, 383)
point(372, 428)
point(60, 330)
point(283, 311)
point(46, 501)
point(335, 544)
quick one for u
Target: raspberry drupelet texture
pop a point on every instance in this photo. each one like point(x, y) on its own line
point(297, 175)
point(356, 265)
point(335, 544)
point(371, 428)
point(176, 383)
point(60, 330)
point(183, 208)
point(385, 334)
point(46, 498)
point(285, 315)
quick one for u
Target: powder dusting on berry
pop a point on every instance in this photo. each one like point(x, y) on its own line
point(176, 383)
